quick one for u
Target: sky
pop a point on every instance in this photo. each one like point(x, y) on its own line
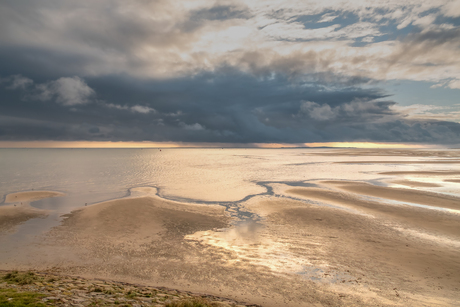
point(230, 72)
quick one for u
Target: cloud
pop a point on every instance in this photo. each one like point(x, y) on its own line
point(162, 39)
point(226, 71)
point(134, 109)
point(454, 84)
point(66, 91)
point(451, 9)
point(223, 106)
point(142, 109)
point(328, 18)
point(17, 82)
point(318, 112)
point(194, 127)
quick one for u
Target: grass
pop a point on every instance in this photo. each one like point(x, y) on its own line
point(195, 302)
point(12, 298)
point(26, 278)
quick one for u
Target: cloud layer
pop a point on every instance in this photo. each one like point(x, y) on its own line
point(224, 71)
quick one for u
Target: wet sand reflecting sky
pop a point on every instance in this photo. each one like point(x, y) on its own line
point(277, 227)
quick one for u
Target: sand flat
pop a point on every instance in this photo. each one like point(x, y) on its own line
point(141, 219)
point(30, 196)
point(416, 184)
point(399, 194)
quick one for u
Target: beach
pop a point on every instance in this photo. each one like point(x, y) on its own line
point(290, 228)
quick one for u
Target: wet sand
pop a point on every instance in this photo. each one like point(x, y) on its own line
point(416, 184)
point(401, 162)
point(20, 210)
point(422, 173)
point(146, 239)
point(399, 194)
point(372, 258)
point(453, 180)
point(356, 252)
point(326, 243)
point(12, 216)
point(391, 152)
point(421, 219)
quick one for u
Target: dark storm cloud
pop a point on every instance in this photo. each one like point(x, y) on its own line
point(225, 106)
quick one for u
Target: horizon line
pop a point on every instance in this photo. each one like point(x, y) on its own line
point(121, 144)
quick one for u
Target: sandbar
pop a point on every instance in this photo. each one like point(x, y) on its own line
point(30, 196)
point(140, 219)
point(399, 194)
